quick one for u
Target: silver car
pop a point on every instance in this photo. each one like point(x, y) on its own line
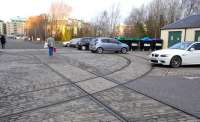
point(102, 44)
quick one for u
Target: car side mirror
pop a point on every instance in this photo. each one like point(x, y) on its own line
point(192, 49)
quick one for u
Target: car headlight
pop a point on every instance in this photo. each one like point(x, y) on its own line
point(164, 55)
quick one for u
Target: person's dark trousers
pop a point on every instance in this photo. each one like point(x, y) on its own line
point(50, 51)
point(3, 46)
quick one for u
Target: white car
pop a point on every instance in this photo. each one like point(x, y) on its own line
point(72, 42)
point(66, 43)
point(182, 53)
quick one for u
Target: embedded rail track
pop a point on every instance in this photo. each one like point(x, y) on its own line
point(69, 82)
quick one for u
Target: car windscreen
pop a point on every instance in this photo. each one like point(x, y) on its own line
point(93, 41)
point(75, 41)
point(86, 40)
point(181, 45)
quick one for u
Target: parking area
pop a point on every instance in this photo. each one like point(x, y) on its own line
point(79, 86)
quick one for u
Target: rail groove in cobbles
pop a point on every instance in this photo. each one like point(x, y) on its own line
point(91, 96)
point(107, 108)
point(67, 83)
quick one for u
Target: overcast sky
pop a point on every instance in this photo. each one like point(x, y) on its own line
point(81, 9)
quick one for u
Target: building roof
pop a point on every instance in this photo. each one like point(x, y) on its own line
point(188, 22)
point(18, 18)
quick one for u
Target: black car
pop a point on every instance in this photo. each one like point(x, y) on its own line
point(84, 43)
point(74, 42)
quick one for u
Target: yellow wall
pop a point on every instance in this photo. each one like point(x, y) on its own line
point(190, 35)
point(165, 34)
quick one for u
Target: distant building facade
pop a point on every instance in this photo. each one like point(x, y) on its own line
point(124, 30)
point(16, 27)
point(2, 27)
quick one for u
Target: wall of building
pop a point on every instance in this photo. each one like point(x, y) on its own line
point(165, 36)
point(1, 27)
point(15, 28)
point(190, 36)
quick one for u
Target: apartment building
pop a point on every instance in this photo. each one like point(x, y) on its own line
point(16, 26)
point(2, 27)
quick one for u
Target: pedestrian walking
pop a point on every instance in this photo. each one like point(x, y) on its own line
point(51, 45)
point(3, 41)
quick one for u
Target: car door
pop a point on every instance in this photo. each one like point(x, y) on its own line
point(193, 56)
point(196, 53)
point(105, 44)
point(114, 45)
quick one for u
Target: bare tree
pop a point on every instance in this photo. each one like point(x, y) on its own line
point(136, 15)
point(190, 7)
point(114, 19)
point(102, 23)
point(106, 22)
point(36, 27)
point(173, 10)
point(153, 16)
point(136, 21)
point(59, 13)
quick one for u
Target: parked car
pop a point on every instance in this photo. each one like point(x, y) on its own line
point(73, 42)
point(84, 43)
point(182, 53)
point(24, 37)
point(102, 44)
point(66, 43)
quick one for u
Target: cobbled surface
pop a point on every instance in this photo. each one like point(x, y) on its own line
point(80, 110)
point(139, 108)
point(78, 86)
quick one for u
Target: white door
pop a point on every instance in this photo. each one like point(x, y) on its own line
point(192, 57)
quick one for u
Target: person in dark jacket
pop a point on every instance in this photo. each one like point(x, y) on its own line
point(3, 41)
point(51, 45)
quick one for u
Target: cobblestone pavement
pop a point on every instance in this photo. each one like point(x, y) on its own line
point(78, 86)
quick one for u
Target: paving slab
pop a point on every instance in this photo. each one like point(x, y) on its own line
point(80, 110)
point(32, 100)
point(31, 87)
point(21, 77)
point(137, 68)
point(178, 91)
point(160, 70)
point(17, 59)
point(73, 73)
point(96, 85)
point(139, 108)
point(99, 64)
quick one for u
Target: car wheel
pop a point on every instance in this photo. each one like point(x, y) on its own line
point(99, 50)
point(124, 50)
point(176, 62)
